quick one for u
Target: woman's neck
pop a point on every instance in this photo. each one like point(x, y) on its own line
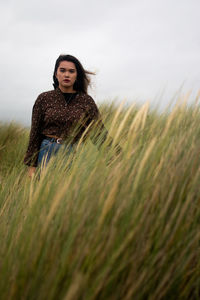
point(67, 90)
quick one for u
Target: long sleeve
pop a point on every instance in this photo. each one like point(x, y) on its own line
point(35, 137)
point(101, 133)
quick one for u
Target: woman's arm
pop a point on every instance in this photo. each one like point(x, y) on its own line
point(101, 134)
point(35, 137)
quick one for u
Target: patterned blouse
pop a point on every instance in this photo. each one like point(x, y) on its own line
point(52, 115)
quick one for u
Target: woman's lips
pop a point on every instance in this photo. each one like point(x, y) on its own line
point(66, 80)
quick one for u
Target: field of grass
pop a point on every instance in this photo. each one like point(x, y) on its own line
point(125, 230)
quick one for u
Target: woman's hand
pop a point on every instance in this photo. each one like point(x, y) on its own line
point(31, 171)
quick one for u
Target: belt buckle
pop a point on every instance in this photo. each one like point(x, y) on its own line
point(59, 141)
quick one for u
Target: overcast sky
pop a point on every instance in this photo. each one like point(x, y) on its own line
point(140, 50)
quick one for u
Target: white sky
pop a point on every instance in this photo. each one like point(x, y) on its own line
point(139, 49)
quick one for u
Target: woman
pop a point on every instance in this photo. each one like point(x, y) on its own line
point(56, 113)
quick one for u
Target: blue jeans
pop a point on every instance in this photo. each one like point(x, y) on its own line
point(50, 148)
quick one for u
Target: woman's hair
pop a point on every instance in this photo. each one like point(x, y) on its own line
point(82, 81)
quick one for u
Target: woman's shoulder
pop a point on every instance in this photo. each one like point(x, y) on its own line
point(45, 97)
point(86, 98)
point(47, 94)
point(54, 94)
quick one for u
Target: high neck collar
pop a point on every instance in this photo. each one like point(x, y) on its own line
point(58, 90)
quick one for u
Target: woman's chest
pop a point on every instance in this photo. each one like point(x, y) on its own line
point(62, 111)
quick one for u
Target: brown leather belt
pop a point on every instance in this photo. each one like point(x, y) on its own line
point(54, 139)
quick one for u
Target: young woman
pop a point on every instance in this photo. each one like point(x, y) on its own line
point(56, 113)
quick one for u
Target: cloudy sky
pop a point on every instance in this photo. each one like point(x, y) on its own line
point(140, 50)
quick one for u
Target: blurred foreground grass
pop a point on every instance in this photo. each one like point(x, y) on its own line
point(129, 230)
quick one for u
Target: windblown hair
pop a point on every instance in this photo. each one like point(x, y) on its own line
point(82, 81)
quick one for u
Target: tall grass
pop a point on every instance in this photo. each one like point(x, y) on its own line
point(124, 230)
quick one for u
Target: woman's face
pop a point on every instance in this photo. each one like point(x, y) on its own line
point(66, 75)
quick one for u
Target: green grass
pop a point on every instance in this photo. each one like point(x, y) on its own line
point(127, 230)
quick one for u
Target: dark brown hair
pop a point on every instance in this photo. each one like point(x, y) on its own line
point(82, 81)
